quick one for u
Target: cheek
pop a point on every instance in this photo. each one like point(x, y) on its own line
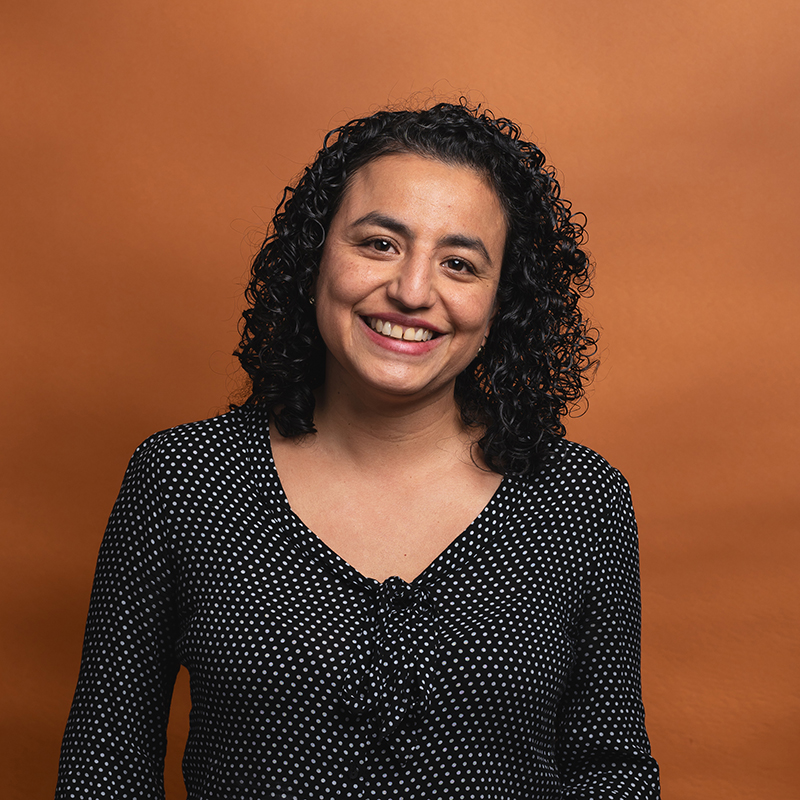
point(344, 282)
point(476, 315)
point(330, 288)
point(340, 286)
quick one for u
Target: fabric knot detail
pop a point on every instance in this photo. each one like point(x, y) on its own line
point(390, 677)
point(396, 594)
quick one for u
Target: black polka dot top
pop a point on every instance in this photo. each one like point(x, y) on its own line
point(509, 669)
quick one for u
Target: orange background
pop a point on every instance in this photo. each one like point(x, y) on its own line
point(146, 143)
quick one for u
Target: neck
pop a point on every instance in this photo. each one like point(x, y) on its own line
point(389, 432)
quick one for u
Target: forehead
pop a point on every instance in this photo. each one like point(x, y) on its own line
point(424, 187)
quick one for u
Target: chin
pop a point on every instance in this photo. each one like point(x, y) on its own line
point(411, 388)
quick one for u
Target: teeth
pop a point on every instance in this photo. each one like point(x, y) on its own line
point(399, 332)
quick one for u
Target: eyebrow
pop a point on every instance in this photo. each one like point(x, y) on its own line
point(452, 240)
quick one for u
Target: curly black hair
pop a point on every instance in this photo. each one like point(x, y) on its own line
point(540, 349)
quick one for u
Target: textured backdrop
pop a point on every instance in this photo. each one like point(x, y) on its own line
point(144, 146)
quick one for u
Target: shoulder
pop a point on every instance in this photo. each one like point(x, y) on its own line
point(576, 487)
point(204, 432)
point(206, 445)
point(570, 463)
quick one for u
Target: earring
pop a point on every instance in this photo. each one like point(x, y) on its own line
point(312, 300)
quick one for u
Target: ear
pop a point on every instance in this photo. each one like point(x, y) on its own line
point(312, 290)
point(491, 319)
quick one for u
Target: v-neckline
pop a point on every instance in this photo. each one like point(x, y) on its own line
point(330, 557)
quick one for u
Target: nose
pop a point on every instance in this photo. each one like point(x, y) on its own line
point(412, 284)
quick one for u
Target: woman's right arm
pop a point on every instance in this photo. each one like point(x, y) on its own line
point(115, 740)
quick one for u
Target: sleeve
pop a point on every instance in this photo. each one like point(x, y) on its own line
point(603, 749)
point(115, 739)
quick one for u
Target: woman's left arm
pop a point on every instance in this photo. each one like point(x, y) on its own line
point(603, 747)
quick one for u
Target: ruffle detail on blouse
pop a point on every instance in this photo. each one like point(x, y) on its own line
point(390, 679)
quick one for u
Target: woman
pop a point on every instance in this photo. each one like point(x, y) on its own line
point(387, 572)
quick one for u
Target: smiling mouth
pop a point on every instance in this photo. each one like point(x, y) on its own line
point(394, 331)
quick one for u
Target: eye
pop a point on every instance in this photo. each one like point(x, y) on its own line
point(460, 265)
point(381, 245)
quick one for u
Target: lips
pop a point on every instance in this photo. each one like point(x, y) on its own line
point(394, 331)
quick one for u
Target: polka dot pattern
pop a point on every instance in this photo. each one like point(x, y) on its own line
point(508, 669)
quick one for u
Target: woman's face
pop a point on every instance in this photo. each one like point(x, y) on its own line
point(408, 277)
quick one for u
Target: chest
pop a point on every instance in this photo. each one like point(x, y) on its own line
point(388, 527)
point(267, 607)
point(280, 605)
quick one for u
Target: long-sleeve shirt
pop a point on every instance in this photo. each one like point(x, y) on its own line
point(508, 669)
